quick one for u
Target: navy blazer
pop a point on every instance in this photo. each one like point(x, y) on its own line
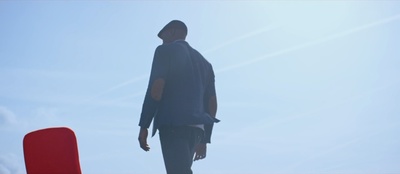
point(189, 84)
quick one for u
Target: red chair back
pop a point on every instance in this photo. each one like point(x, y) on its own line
point(51, 151)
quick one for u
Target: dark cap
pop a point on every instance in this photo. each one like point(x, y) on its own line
point(176, 24)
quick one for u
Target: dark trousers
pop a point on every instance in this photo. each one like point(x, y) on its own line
point(178, 147)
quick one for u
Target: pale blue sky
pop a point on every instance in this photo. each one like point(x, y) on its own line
point(303, 86)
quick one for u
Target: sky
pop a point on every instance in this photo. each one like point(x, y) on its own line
point(303, 86)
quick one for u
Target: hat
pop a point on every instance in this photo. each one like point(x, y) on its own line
point(176, 24)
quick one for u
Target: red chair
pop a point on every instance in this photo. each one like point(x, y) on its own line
point(51, 151)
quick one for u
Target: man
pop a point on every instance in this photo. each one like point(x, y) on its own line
point(182, 100)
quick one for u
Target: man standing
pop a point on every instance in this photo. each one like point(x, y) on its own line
point(182, 100)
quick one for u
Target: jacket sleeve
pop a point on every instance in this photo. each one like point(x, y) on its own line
point(159, 70)
point(211, 108)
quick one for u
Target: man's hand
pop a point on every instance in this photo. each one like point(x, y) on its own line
point(201, 151)
point(143, 139)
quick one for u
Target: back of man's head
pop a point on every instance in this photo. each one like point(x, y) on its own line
point(179, 27)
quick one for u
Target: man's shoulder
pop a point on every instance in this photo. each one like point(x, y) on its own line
point(201, 57)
